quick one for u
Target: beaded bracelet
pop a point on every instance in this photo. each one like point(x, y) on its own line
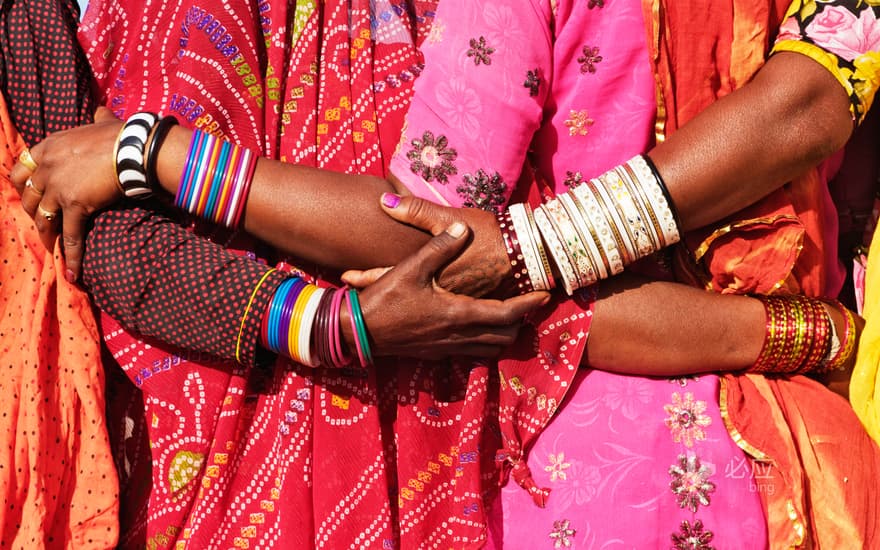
point(128, 154)
point(216, 179)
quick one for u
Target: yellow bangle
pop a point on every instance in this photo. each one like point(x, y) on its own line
point(247, 310)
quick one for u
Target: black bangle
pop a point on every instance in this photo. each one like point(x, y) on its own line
point(159, 133)
point(663, 188)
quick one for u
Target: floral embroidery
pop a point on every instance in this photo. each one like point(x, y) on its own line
point(579, 123)
point(462, 106)
point(596, 3)
point(572, 179)
point(432, 159)
point(684, 380)
point(435, 35)
point(483, 191)
point(533, 82)
point(686, 419)
point(692, 537)
point(627, 394)
point(589, 59)
point(557, 466)
point(582, 484)
point(562, 534)
point(480, 51)
point(690, 482)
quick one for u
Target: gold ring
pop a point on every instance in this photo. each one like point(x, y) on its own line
point(30, 185)
point(27, 160)
point(46, 214)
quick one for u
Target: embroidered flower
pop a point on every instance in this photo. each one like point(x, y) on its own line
point(579, 123)
point(435, 35)
point(432, 159)
point(480, 51)
point(626, 394)
point(690, 482)
point(580, 486)
point(557, 466)
point(562, 533)
point(483, 191)
point(692, 537)
point(501, 24)
point(686, 419)
point(596, 3)
point(462, 106)
point(683, 381)
point(589, 59)
point(837, 30)
point(533, 82)
point(572, 179)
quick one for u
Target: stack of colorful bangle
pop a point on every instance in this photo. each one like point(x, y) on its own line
point(799, 337)
point(302, 321)
point(216, 179)
point(595, 229)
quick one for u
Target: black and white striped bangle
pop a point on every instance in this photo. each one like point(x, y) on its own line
point(130, 167)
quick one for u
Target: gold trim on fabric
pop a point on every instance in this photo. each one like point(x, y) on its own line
point(737, 437)
point(721, 231)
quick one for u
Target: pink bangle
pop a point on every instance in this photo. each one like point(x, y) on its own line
point(336, 351)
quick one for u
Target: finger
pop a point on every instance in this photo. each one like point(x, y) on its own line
point(19, 174)
point(504, 312)
point(360, 279)
point(32, 195)
point(103, 114)
point(417, 212)
point(434, 254)
point(73, 226)
point(46, 220)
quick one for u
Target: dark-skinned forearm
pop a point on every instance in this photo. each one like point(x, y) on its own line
point(325, 217)
point(789, 118)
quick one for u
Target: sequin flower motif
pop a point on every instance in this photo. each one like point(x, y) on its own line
point(578, 123)
point(692, 537)
point(572, 179)
point(686, 419)
point(557, 467)
point(480, 51)
point(596, 4)
point(533, 82)
point(562, 534)
point(432, 159)
point(589, 59)
point(690, 482)
point(483, 191)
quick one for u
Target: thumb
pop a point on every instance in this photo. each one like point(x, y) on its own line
point(435, 253)
point(417, 212)
point(103, 114)
point(360, 279)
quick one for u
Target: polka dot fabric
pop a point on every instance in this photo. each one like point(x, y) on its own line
point(46, 79)
point(57, 481)
point(196, 294)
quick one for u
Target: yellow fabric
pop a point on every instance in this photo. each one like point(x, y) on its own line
point(861, 82)
point(864, 386)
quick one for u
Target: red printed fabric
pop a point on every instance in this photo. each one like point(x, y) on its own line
point(212, 453)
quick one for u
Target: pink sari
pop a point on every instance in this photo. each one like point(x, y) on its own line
point(629, 461)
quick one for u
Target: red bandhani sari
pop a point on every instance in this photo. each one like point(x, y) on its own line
point(217, 454)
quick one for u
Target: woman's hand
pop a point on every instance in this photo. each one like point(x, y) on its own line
point(407, 313)
point(75, 176)
point(480, 270)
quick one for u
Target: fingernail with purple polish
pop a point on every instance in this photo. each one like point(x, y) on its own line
point(69, 275)
point(390, 200)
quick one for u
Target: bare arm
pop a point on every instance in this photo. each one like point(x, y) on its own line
point(789, 118)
